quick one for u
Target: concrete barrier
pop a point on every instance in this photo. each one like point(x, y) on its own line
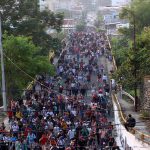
point(127, 139)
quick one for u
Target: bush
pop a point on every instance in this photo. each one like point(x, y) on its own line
point(80, 27)
point(145, 115)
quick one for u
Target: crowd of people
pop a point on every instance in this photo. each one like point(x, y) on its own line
point(70, 111)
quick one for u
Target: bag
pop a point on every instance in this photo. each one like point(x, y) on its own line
point(132, 122)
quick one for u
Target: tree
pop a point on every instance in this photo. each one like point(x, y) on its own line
point(21, 54)
point(66, 12)
point(138, 61)
point(120, 47)
point(138, 10)
point(80, 26)
point(23, 17)
point(132, 69)
point(99, 22)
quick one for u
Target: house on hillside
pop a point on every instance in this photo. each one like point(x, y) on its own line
point(69, 25)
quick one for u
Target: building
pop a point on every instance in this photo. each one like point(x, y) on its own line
point(121, 2)
point(49, 4)
point(55, 5)
point(68, 25)
point(42, 5)
point(62, 4)
point(104, 3)
point(111, 19)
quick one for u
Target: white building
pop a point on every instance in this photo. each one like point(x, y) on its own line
point(105, 3)
point(55, 5)
point(42, 5)
point(121, 2)
point(60, 4)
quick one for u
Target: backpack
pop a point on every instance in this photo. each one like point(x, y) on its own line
point(85, 132)
point(132, 122)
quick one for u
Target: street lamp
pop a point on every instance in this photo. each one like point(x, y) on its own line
point(2, 69)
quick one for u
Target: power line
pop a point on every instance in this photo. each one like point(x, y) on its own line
point(48, 89)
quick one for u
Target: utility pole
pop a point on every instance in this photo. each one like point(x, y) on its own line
point(135, 65)
point(2, 70)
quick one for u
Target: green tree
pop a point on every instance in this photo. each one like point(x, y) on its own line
point(135, 63)
point(66, 12)
point(81, 26)
point(120, 48)
point(134, 67)
point(138, 11)
point(99, 22)
point(23, 17)
point(21, 54)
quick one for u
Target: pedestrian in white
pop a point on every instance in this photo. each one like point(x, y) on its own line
point(71, 133)
point(104, 78)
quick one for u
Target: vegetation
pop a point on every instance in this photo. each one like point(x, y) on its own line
point(66, 12)
point(22, 63)
point(26, 43)
point(24, 18)
point(80, 26)
point(139, 10)
point(132, 48)
point(145, 115)
point(99, 21)
point(120, 47)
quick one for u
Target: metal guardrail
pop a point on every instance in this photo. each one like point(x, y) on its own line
point(128, 95)
point(142, 135)
point(119, 107)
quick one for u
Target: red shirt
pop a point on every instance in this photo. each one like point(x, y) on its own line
point(26, 131)
point(10, 114)
point(43, 139)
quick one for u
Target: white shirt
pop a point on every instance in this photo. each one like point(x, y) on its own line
point(56, 130)
point(69, 107)
point(104, 77)
point(72, 84)
point(37, 87)
point(15, 128)
point(71, 133)
point(74, 112)
point(113, 83)
point(49, 113)
point(6, 139)
point(61, 69)
point(74, 70)
point(50, 124)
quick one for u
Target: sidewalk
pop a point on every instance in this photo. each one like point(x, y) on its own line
point(141, 125)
